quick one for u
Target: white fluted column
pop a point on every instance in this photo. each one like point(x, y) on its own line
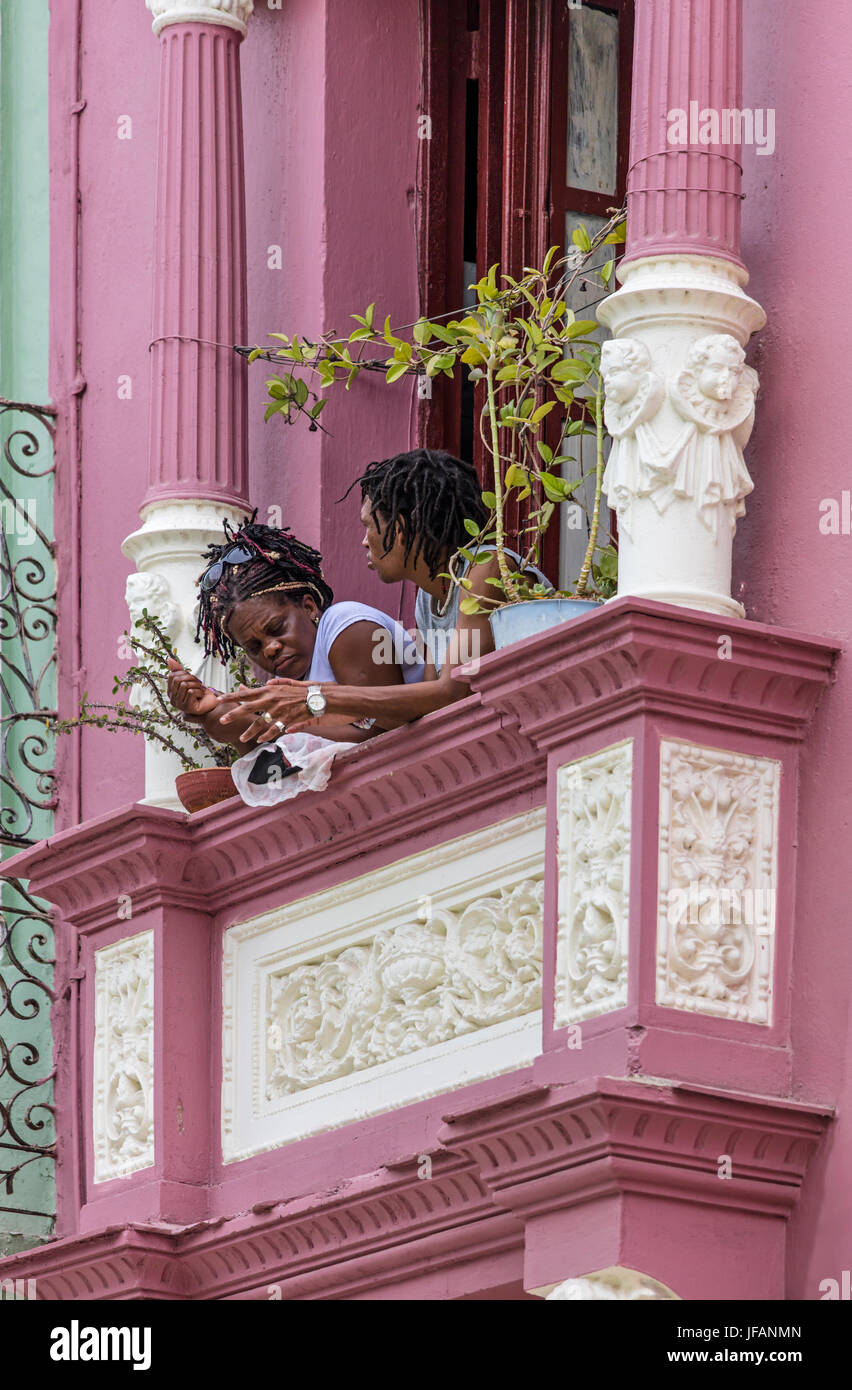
point(198, 434)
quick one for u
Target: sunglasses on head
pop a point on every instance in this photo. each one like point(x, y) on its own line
point(237, 555)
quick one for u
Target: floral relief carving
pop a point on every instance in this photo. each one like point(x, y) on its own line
point(416, 985)
point(712, 398)
point(616, 1283)
point(123, 1117)
point(594, 809)
point(717, 881)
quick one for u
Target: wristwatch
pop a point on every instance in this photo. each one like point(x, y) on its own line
point(315, 700)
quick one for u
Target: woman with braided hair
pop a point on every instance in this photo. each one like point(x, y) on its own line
point(414, 508)
point(263, 591)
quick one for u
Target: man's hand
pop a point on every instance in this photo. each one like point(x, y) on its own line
point(188, 694)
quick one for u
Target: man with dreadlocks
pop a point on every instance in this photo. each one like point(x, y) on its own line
point(263, 591)
point(414, 508)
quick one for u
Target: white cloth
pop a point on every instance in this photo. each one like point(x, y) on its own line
point(342, 615)
point(310, 753)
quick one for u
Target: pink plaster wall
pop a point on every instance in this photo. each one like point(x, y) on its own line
point(109, 319)
point(330, 98)
point(797, 60)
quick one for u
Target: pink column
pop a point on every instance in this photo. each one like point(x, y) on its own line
point(684, 188)
point(681, 319)
point(198, 434)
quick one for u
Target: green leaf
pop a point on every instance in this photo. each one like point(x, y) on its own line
point(554, 487)
point(541, 411)
point(620, 234)
point(545, 451)
point(605, 272)
point(570, 370)
point(581, 329)
point(395, 371)
point(580, 237)
point(469, 605)
point(490, 500)
point(516, 476)
point(608, 565)
point(422, 332)
point(471, 527)
point(368, 317)
point(444, 334)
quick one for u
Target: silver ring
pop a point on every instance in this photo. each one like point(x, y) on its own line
point(280, 726)
point(264, 714)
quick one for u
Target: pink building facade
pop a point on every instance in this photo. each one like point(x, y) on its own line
point(461, 1025)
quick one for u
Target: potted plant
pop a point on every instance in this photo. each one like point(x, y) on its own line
point(532, 355)
point(199, 785)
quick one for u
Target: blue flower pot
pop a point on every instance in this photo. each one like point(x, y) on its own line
point(518, 620)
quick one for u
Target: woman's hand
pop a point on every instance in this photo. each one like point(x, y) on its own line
point(188, 694)
point(281, 699)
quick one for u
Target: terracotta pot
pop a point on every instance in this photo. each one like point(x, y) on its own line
point(205, 786)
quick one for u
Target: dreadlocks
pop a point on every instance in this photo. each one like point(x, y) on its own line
point(430, 492)
point(282, 563)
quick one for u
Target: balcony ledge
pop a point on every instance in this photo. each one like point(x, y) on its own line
point(477, 762)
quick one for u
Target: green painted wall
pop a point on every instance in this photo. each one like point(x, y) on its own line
point(26, 1210)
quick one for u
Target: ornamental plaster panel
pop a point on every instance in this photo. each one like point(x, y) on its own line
point(123, 1058)
point(593, 828)
point(232, 13)
point(718, 851)
point(615, 1283)
point(416, 979)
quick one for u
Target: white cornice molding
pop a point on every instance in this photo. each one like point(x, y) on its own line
point(234, 14)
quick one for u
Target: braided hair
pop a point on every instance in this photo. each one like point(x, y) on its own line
point(430, 492)
point(283, 564)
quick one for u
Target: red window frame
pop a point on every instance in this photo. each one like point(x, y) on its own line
point(516, 51)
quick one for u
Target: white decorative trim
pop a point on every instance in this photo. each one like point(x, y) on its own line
point(168, 552)
point(123, 1058)
point(718, 852)
point(232, 13)
point(608, 1284)
point(680, 409)
point(593, 807)
point(413, 980)
point(714, 395)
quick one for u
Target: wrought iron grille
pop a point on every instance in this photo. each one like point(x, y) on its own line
point(27, 699)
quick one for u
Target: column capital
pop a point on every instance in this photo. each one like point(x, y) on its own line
point(233, 14)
